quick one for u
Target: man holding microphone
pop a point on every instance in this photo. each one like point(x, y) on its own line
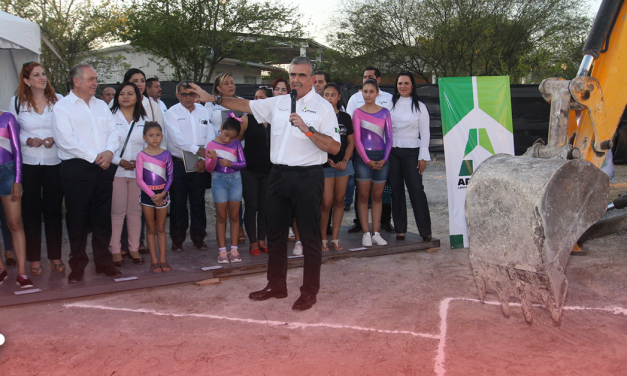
point(300, 142)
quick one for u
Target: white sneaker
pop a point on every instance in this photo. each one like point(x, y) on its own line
point(366, 240)
point(291, 237)
point(298, 249)
point(378, 239)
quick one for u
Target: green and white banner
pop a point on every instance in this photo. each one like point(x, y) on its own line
point(476, 124)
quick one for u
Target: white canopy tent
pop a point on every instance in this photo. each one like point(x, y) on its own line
point(20, 42)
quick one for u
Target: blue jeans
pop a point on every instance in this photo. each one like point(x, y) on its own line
point(226, 187)
point(364, 173)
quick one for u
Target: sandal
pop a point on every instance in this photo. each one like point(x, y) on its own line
point(242, 236)
point(237, 258)
point(57, 267)
point(37, 270)
point(335, 244)
point(223, 259)
point(325, 245)
point(165, 267)
point(156, 268)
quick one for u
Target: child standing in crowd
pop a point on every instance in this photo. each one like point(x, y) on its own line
point(373, 141)
point(154, 171)
point(337, 170)
point(11, 192)
point(224, 159)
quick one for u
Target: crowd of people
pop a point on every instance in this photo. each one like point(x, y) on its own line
point(122, 161)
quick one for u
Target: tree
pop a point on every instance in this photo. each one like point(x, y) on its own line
point(75, 28)
point(460, 37)
point(193, 35)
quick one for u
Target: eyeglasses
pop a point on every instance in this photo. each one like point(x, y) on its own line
point(188, 95)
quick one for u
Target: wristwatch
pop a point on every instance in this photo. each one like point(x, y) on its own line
point(218, 99)
point(312, 130)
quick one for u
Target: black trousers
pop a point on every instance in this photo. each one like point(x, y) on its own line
point(187, 186)
point(42, 194)
point(87, 189)
point(295, 192)
point(255, 193)
point(404, 171)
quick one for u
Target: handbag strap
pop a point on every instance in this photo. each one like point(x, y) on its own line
point(127, 138)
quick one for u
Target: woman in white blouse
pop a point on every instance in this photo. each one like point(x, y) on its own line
point(409, 156)
point(33, 106)
point(130, 117)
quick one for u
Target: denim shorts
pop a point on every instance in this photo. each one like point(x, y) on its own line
point(7, 178)
point(365, 173)
point(226, 187)
point(330, 172)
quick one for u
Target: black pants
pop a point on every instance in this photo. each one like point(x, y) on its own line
point(42, 194)
point(295, 192)
point(255, 186)
point(87, 190)
point(187, 185)
point(404, 171)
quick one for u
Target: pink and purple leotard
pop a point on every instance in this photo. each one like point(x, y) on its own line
point(372, 132)
point(232, 151)
point(154, 172)
point(10, 143)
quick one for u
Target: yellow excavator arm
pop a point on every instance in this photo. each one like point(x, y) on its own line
point(525, 214)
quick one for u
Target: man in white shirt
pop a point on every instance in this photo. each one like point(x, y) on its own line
point(299, 145)
point(384, 99)
point(107, 94)
point(321, 79)
point(85, 133)
point(153, 90)
point(189, 129)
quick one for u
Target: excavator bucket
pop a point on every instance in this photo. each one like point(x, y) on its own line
point(524, 216)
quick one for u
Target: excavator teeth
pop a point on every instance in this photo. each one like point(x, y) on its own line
point(524, 216)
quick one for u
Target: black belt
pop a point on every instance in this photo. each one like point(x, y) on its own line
point(295, 168)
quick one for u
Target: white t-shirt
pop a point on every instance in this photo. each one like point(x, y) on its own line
point(384, 99)
point(135, 143)
point(410, 128)
point(289, 146)
point(33, 125)
point(187, 130)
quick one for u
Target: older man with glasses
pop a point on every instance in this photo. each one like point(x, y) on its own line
point(189, 128)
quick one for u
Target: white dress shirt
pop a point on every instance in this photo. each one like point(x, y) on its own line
point(215, 111)
point(163, 107)
point(135, 144)
point(34, 125)
point(384, 99)
point(410, 128)
point(82, 131)
point(187, 130)
point(289, 146)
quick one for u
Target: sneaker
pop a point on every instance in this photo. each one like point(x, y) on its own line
point(23, 281)
point(298, 249)
point(291, 237)
point(378, 239)
point(3, 276)
point(366, 240)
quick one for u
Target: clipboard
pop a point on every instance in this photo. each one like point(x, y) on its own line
point(190, 159)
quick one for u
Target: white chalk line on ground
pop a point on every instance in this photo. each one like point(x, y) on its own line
point(282, 324)
point(440, 358)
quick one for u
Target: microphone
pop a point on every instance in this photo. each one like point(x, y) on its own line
point(293, 95)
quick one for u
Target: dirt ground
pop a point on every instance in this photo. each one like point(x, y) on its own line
point(405, 314)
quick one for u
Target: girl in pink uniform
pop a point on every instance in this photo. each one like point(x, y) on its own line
point(154, 176)
point(225, 159)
